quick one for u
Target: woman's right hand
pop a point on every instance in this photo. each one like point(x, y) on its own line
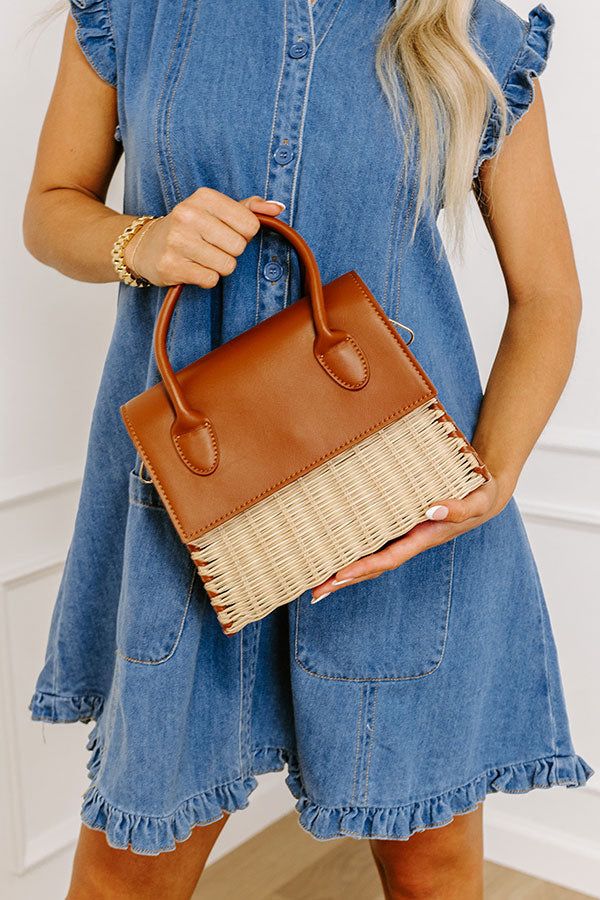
point(199, 240)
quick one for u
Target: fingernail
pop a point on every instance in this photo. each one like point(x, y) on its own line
point(277, 203)
point(316, 599)
point(437, 512)
point(342, 581)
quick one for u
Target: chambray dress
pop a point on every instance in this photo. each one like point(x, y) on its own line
point(396, 703)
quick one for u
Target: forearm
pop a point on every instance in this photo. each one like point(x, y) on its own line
point(531, 368)
point(73, 232)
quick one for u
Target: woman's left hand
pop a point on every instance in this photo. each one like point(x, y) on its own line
point(448, 518)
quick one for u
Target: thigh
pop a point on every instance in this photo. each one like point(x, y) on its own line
point(444, 863)
point(101, 872)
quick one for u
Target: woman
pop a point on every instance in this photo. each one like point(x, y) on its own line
point(429, 676)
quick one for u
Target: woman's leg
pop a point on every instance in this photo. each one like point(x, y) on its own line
point(438, 864)
point(102, 873)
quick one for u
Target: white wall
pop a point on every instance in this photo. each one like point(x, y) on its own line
point(54, 353)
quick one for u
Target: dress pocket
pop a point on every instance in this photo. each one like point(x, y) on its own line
point(158, 580)
point(391, 628)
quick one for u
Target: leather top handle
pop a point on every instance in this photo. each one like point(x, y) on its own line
point(335, 350)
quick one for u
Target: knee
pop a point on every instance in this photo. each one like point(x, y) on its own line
point(406, 885)
point(441, 873)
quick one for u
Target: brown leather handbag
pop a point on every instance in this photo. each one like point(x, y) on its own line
point(303, 444)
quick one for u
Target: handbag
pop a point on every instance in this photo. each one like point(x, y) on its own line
point(301, 445)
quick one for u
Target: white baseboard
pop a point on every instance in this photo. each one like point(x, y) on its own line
point(564, 859)
point(49, 843)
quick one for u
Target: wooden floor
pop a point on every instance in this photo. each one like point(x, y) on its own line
point(285, 863)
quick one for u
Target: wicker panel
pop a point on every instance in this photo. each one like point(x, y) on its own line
point(345, 509)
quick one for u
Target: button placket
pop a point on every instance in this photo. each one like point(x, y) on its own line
point(284, 154)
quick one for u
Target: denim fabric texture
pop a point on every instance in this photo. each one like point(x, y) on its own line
point(396, 703)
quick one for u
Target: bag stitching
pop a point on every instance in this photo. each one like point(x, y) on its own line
point(363, 362)
point(189, 464)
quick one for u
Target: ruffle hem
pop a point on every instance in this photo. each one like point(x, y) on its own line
point(151, 835)
point(46, 707)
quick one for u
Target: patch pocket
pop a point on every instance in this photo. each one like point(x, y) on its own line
point(158, 580)
point(391, 628)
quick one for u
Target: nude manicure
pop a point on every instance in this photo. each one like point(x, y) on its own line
point(437, 512)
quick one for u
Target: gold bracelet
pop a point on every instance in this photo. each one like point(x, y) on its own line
point(146, 228)
point(126, 274)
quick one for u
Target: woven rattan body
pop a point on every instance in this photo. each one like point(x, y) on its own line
point(349, 507)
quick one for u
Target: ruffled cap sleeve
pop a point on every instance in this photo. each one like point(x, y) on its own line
point(95, 36)
point(518, 89)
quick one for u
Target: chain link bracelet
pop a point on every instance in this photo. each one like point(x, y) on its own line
point(118, 249)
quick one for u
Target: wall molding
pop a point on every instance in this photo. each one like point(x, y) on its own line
point(559, 513)
point(561, 439)
point(21, 489)
point(49, 843)
point(27, 852)
point(30, 570)
point(13, 772)
point(547, 853)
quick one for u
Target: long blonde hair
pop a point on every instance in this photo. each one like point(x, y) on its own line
point(427, 44)
point(450, 92)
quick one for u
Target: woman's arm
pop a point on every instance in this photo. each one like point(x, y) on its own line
point(521, 204)
point(67, 224)
point(522, 207)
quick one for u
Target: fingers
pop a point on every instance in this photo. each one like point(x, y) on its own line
point(457, 516)
point(267, 207)
point(237, 214)
point(212, 229)
point(199, 235)
point(474, 506)
point(192, 273)
point(201, 238)
point(233, 213)
point(375, 564)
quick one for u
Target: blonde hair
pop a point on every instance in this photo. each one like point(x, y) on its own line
point(450, 91)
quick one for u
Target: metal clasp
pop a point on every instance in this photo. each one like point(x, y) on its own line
point(406, 328)
point(141, 471)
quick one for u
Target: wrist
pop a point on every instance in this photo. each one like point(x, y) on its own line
point(130, 254)
point(506, 482)
point(121, 257)
point(505, 476)
point(129, 249)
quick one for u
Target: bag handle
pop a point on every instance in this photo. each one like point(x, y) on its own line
point(335, 350)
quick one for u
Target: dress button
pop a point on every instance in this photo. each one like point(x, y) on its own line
point(273, 271)
point(298, 50)
point(283, 155)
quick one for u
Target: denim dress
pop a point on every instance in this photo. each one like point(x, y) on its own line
point(396, 703)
